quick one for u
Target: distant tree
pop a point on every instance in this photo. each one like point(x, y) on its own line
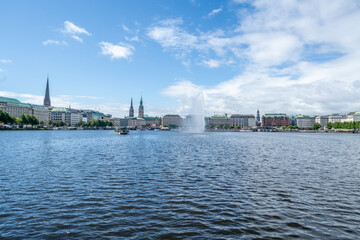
point(316, 126)
point(329, 125)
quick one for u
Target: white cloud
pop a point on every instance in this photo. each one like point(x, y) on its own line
point(77, 38)
point(170, 35)
point(125, 28)
point(1, 70)
point(215, 11)
point(132, 39)
point(295, 56)
point(212, 63)
point(54, 42)
point(5, 61)
point(74, 31)
point(121, 50)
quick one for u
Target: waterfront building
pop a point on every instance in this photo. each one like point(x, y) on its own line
point(42, 113)
point(136, 122)
point(172, 120)
point(141, 109)
point(60, 114)
point(219, 120)
point(305, 121)
point(91, 114)
point(75, 116)
point(335, 118)
point(14, 107)
point(242, 121)
point(152, 121)
point(275, 120)
point(351, 117)
point(47, 101)
point(323, 120)
point(131, 110)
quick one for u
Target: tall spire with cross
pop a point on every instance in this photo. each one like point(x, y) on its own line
point(47, 101)
point(141, 108)
point(131, 111)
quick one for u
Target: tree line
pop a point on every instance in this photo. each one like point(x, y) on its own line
point(343, 125)
point(23, 119)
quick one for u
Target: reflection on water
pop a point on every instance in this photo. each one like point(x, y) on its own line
point(173, 185)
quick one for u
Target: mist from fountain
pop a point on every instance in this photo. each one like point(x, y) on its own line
point(194, 121)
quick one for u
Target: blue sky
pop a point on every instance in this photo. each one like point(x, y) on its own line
point(285, 56)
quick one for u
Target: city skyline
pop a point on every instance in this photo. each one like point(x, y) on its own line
point(297, 57)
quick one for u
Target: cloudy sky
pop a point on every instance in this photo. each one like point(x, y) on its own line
point(279, 56)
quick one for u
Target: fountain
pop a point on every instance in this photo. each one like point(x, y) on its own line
point(194, 121)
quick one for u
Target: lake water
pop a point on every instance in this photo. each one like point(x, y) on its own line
point(173, 185)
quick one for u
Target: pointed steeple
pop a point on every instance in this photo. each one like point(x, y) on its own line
point(131, 111)
point(47, 101)
point(141, 108)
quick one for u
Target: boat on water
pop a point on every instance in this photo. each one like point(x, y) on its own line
point(122, 131)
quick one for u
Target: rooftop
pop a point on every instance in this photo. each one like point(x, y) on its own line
point(60, 109)
point(13, 102)
point(219, 116)
point(275, 115)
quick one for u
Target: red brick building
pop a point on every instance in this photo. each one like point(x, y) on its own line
point(275, 120)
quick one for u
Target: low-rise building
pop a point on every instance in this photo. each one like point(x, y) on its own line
point(14, 107)
point(335, 118)
point(219, 121)
point(275, 120)
point(59, 114)
point(305, 121)
point(42, 113)
point(242, 121)
point(172, 120)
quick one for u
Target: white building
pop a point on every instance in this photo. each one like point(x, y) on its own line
point(335, 118)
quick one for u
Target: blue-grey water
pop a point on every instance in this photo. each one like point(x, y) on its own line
point(173, 185)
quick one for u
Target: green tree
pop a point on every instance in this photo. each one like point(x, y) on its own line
point(329, 125)
point(316, 126)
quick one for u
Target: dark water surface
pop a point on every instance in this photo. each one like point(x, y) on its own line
point(171, 185)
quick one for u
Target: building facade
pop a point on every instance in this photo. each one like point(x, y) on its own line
point(242, 121)
point(172, 120)
point(42, 113)
point(14, 107)
point(323, 120)
point(275, 120)
point(219, 121)
point(75, 116)
point(60, 115)
point(335, 118)
point(305, 121)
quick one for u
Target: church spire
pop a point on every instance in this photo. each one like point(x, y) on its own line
point(141, 108)
point(131, 111)
point(47, 101)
